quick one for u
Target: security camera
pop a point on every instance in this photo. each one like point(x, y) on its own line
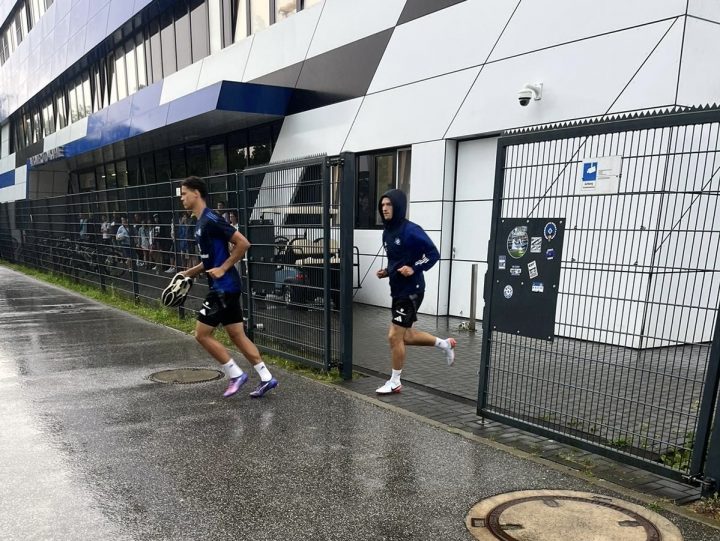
point(528, 92)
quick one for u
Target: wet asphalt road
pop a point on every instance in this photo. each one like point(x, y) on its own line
point(90, 448)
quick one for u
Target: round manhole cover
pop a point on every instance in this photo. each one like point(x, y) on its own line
point(549, 515)
point(186, 375)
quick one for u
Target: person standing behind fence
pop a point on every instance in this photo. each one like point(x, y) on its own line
point(105, 230)
point(222, 304)
point(410, 253)
point(182, 242)
point(124, 240)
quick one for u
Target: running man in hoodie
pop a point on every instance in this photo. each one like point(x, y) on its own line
point(410, 253)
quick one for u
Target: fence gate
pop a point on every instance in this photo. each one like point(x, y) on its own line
point(298, 216)
point(600, 325)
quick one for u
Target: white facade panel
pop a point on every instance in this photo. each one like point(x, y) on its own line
point(476, 169)
point(472, 230)
point(492, 104)
point(427, 214)
point(409, 114)
point(227, 64)
point(546, 23)
point(316, 131)
point(655, 85)
point(424, 48)
point(181, 83)
point(707, 9)
point(427, 172)
point(282, 44)
point(345, 21)
point(699, 79)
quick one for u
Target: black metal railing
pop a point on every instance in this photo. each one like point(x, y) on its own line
point(295, 273)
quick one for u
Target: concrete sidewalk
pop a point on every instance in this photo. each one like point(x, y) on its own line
point(90, 448)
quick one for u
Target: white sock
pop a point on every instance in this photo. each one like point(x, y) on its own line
point(442, 344)
point(231, 369)
point(396, 376)
point(263, 372)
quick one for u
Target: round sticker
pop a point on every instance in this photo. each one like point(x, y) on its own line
point(517, 242)
point(550, 231)
point(508, 291)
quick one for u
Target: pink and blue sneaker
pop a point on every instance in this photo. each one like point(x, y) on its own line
point(235, 384)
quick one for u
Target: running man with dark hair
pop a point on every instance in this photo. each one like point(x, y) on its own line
point(222, 304)
point(410, 252)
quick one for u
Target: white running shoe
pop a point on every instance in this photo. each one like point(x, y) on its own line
point(450, 352)
point(390, 387)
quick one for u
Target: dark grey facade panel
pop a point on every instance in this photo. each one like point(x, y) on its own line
point(341, 74)
point(286, 77)
point(414, 9)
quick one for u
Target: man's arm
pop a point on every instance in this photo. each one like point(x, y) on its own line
point(240, 246)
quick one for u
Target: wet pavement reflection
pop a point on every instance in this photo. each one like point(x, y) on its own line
point(91, 448)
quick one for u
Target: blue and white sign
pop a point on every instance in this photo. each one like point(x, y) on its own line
point(599, 175)
point(589, 173)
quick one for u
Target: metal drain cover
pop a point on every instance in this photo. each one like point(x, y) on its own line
point(549, 515)
point(186, 375)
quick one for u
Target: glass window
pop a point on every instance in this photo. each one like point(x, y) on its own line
point(197, 160)
point(131, 67)
point(121, 173)
point(241, 21)
point(87, 181)
point(376, 174)
point(148, 169)
point(182, 35)
point(177, 163)
point(37, 126)
point(87, 96)
point(308, 3)
point(218, 159)
point(259, 15)
point(101, 178)
point(162, 166)
point(237, 151)
point(19, 34)
point(215, 23)
point(61, 110)
point(260, 148)
point(133, 172)
point(227, 20)
point(365, 205)
point(155, 53)
point(167, 37)
point(142, 78)
point(74, 112)
point(120, 74)
point(403, 171)
point(111, 175)
point(199, 25)
point(284, 8)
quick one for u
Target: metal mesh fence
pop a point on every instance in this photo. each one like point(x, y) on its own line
point(134, 239)
point(292, 216)
point(638, 294)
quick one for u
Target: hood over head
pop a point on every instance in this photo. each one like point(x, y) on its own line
point(399, 203)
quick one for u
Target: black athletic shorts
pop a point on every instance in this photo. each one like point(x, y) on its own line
point(220, 308)
point(404, 309)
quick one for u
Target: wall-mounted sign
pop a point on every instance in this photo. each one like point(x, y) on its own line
point(53, 154)
point(599, 175)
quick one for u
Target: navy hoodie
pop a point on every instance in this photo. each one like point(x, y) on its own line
point(406, 243)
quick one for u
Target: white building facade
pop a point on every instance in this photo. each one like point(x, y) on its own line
point(419, 90)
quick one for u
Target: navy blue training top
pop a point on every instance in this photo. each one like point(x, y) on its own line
point(213, 234)
point(406, 243)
